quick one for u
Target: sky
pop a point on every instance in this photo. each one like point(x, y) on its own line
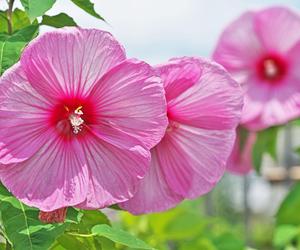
point(157, 30)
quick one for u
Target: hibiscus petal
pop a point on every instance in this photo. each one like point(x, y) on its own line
point(69, 61)
point(214, 102)
point(193, 160)
point(270, 105)
point(154, 194)
point(131, 98)
point(240, 160)
point(282, 32)
point(23, 115)
point(114, 171)
point(239, 47)
point(178, 75)
point(55, 177)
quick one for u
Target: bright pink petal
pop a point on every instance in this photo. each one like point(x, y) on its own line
point(130, 98)
point(179, 75)
point(278, 28)
point(193, 159)
point(154, 194)
point(23, 115)
point(56, 176)
point(214, 102)
point(239, 47)
point(114, 171)
point(270, 105)
point(69, 61)
point(240, 161)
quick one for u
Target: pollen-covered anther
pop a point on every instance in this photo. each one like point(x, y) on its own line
point(76, 120)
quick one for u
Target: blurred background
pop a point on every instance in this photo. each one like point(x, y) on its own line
point(240, 210)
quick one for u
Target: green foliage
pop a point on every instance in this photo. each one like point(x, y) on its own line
point(36, 8)
point(21, 225)
point(184, 228)
point(88, 7)
point(12, 46)
point(284, 234)
point(266, 142)
point(119, 236)
point(288, 212)
point(58, 21)
point(20, 20)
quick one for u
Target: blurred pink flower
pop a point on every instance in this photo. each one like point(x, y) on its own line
point(204, 108)
point(77, 121)
point(240, 160)
point(262, 51)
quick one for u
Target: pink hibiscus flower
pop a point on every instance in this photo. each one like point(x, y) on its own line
point(240, 160)
point(262, 51)
point(77, 122)
point(204, 108)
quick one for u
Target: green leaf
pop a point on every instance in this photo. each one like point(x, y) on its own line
point(20, 20)
point(88, 7)
point(12, 46)
point(288, 212)
point(119, 236)
point(36, 8)
point(90, 219)
point(265, 143)
point(22, 227)
point(229, 241)
point(58, 21)
point(284, 234)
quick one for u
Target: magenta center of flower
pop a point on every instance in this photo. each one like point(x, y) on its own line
point(71, 116)
point(272, 68)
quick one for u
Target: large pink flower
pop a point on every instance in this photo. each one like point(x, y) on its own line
point(204, 108)
point(77, 121)
point(262, 51)
point(240, 160)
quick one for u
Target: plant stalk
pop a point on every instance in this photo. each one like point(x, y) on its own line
point(9, 16)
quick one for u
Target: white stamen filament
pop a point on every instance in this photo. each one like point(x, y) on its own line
point(76, 121)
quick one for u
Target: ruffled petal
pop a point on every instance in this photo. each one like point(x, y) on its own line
point(214, 102)
point(55, 177)
point(154, 194)
point(23, 115)
point(178, 75)
point(114, 171)
point(239, 47)
point(193, 159)
point(277, 28)
point(69, 61)
point(130, 98)
point(240, 160)
point(270, 105)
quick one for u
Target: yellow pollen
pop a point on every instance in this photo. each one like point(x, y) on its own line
point(78, 109)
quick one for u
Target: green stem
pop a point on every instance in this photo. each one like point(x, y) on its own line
point(82, 235)
point(9, 16)
point(8, 246)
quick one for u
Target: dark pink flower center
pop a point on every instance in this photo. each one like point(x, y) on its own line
point(172, 124)
point(272, 68)
point(70, 116)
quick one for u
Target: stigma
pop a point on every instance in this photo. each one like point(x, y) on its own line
point(76, 120)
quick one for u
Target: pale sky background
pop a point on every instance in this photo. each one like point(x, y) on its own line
point(156, 30)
